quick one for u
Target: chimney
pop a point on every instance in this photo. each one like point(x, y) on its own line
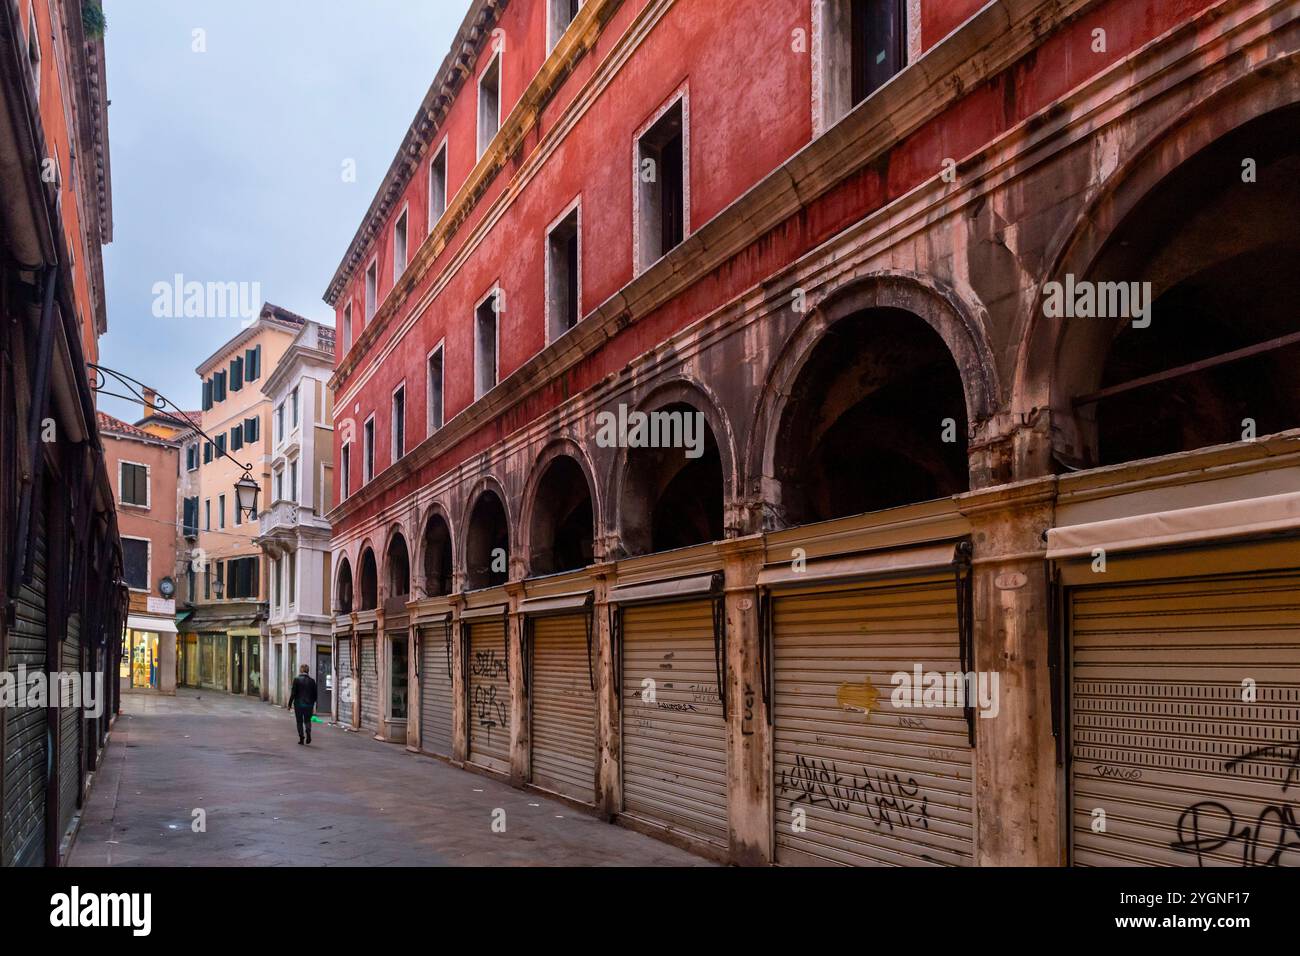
point(149, 401)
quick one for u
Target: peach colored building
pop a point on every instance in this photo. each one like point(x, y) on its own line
point(142, 471)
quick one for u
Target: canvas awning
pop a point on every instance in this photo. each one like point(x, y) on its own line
point(161, 625)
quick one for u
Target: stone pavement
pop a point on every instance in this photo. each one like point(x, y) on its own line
point(347, 800)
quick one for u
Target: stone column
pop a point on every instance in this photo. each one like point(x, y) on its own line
point(1017, 781)
point(520, 751)
point(459, 693)
point(749, 768)
point(414, 664)
point(609, 779)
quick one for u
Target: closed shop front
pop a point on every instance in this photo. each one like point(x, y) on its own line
point(368, 681)
point(862, 779)
point(437, 706)
point(25, 729)
point(70, 726)
point(561, 697)
point(345, 684)
point(1183, 707)
point(673, 727)
point(489, 689)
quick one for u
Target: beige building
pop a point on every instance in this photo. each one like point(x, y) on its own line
point(224, 636)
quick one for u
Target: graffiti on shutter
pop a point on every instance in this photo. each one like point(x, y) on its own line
point(369, 683)
point(674, 734)
point(858, 780)
point(1185, 704)
point(489, 695)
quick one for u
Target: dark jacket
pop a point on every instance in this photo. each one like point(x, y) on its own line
point(303, 692)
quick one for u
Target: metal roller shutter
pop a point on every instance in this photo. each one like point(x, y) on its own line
point(674, 749)
point(344, 686)
point(878, 785)
point(563, 708)
point(436, 704)
point(26, 736)
point(489, 695)
point(1171, 764)
point(369, 681)
point(69, 730)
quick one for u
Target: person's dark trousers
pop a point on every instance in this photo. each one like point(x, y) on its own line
point(303, 717)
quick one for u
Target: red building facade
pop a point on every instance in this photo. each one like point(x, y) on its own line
point(876, 274)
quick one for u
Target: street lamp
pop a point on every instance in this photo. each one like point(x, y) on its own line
point(246, 490)
point(218, 588)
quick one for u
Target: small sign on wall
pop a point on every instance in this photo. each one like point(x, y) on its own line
point(161, 605)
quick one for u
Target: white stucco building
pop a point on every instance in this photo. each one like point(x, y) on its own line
point(294, 532)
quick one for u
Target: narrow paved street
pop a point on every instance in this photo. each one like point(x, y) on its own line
point(347, 800)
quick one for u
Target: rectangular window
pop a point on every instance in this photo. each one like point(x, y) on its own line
point(207, 452)
point(293, 481)
point(192, 457)
point(345, 471)
point(437, 186)
point(219, 386)
point(34, 51)
point(275, 582)
point(207, 515)
point(237, 437)
point(368, 450)
point(347, 327)
point(207, 394)
point(293, 578)
point(279, 422)
point(661, 186)
point(241, 578)
point(560, 13)
point(133, 485)
point(372, 290)
point(236, 373)
point(252, 363)
point(252, 429)
point(191, 517)
point(863, 44)
point(220, 445)
point(279, 485)
point(399, 423)
point(221, 580)
point(435, 390)
point(562, 275)
point(135, 563)
point(485, 344)
point(399, 247)
point(489, 103)
point(293, 407)
point(221, 511)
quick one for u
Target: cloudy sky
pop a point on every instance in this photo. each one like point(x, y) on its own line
point(228, 164)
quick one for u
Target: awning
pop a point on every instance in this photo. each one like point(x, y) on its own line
point(183, 616)
point(697, 586)
point(1163, 529)
point(481, 613)
point(162, 625)
point(556, 603)
point(245, 632)
point(929, 557)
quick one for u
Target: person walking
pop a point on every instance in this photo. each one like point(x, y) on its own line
point(302, 698)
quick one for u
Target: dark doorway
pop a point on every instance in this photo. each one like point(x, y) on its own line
point(487, 554)
point(560, 536)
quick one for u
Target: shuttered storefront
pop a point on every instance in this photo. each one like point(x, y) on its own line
point(1172, 764)
point(489, 694)
point(437, 707)
point(876, 784)
point(674, 747)
point(25, 732)
point(563, 707)
point(70, 729)
point(368, 680)
point(345, 686)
